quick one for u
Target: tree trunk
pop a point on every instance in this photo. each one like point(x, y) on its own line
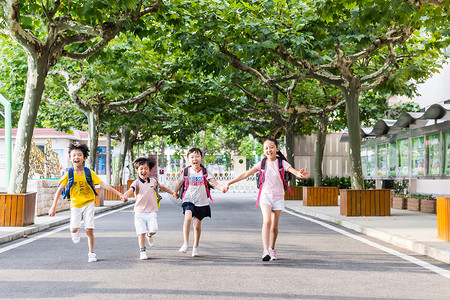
point(163, 150)
point(351, 95)
point(131, 157)
point(320, 147)
point(290, 155)
point(124, 139)
point(93, 122)
point(37, 71)
point(108, 158)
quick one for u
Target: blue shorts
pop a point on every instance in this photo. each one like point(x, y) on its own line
point(198, 212)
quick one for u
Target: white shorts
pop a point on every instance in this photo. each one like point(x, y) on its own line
point(145, 222)
point(87, 212)
point(276, 204)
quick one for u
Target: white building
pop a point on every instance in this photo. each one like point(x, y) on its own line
point(60, 143)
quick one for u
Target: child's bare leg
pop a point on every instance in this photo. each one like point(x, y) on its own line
point(197, 231)
point(187, 225)
point(275, 218)
point(141, 239)
point(266, 211)
point(90, 235)
point(74, 230)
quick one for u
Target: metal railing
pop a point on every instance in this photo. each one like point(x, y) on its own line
point(244, 186)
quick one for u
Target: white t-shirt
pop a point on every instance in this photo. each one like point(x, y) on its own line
point(272, 187)
point(196, 192)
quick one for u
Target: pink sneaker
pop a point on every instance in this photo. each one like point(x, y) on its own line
point(265, 256)
point(273, 254)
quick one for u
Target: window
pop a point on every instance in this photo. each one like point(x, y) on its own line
point(433, 155)
point(382, 161)
point(402, 153)
point(371, 161)
point(364, 160)
point(100, 164)
point(417, 156)
point(447, 153)
point(392, 160)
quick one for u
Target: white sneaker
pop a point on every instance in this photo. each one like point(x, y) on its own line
point(143, 255)
point(76, 237)
point(92, 257)
point(184, 248)
point(150, 240)
point(194, 251)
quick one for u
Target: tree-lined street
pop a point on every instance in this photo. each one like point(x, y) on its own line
point(314, 262)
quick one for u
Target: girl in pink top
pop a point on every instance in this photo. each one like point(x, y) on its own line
point(271, 194)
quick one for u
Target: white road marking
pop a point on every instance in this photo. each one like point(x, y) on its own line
point(406, 257)
point(32, 239)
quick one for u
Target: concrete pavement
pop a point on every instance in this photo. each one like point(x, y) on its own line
point(410, 230)
point(406, 229)
point(41, 223)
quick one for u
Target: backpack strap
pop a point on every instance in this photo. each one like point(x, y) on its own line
point(261, 178)
point(186, 180)
point(87, 173)
point(205, 180)
point(281, 171)
point(70, 176)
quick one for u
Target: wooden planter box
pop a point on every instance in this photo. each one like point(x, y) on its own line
point(129, 182)
point(398, 202)
point(298, 193)
point(110, 195)
point(366, 202)
point(413, 204)
point(17, 209)
point(100, 198)
point(320, 196)
point(443, 218)
point(428, 206)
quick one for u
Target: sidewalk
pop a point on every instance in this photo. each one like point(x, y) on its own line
point(411, 230)
point(41, 223)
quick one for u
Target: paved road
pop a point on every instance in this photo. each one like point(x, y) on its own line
point(314, 262)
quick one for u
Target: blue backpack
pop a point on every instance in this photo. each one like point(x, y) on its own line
point(87, 173)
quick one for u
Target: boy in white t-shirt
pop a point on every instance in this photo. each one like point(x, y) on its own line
point(195, 199)
point(146, 206)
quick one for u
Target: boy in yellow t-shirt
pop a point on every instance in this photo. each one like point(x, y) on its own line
point(82, 196)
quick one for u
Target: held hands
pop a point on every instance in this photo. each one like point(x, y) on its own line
point(175, 195)
point(225, 187)
point(303, 173)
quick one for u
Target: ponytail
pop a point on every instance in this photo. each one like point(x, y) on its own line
point(280, 155)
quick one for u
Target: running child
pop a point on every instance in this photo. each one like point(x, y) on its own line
point(271, 197)
point(81, 194)
point(195, 199)
point(145, 189)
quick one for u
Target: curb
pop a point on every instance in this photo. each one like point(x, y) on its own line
point(417, 247)
point(35, 228)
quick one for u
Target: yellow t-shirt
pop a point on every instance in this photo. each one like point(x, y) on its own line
point(81, 194)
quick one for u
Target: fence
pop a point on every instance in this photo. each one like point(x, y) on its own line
point(244, 186)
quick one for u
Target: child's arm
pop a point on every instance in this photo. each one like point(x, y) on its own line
point(52, 210)
point(216, 185)
point(166, 189)
point(109, 188)
point(303, 173)
point(127, 194)
point(241, 177)
point(177, 187)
